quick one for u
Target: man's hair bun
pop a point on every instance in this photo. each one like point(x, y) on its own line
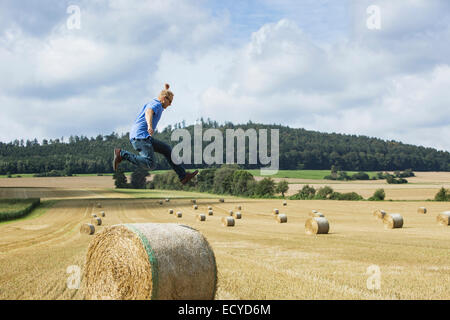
point(167, 86)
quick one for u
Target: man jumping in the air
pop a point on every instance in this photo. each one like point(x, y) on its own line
point(141, 137)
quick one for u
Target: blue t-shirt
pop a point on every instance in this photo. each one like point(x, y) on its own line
point(139, 130)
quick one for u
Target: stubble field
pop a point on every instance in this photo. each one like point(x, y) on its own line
point(256, 259)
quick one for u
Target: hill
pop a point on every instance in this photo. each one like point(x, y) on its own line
point(299, 149)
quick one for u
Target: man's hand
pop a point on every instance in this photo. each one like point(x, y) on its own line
point(150, 131)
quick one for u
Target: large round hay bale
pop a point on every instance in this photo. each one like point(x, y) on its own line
point(210, 212)
point(379, 214)
point(167, 199)
point(87, 228)
point(228, 221)
point(317, 214)
point(230, 213)
point(170, 211)
point(239, 207)
point(317, 225)
point(160, 202)
point(195, 207)
point(150, 261)
point(209, 208)
point(194, 201)
point(276, 211)
point(444, 218)
point(201, 217)
point(94, 215)
point(422, 210)
point(284, 203)
point(237, 215)
point(99, 205)
point(179, 214)
point(222, 200)
point(281, 218)
point(393, 221)
point(96, 221)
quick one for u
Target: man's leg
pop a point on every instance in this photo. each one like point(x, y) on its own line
point(146, 154)
point(166, 151)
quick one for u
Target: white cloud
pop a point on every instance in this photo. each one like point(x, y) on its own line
point(391, 84)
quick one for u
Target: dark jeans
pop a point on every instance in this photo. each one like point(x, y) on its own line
point(146, 158)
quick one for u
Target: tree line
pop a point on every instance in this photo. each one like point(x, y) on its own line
point(236, 181)
point(299, 149)
point(233, 180)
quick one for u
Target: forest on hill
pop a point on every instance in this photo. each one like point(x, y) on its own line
point(298, 149)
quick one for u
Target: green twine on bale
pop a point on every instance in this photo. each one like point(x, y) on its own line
point(151, 258)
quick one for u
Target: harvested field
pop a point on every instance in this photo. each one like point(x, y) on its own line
point(277, 261)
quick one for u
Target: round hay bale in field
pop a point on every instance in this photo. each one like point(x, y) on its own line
point(201, 217)
point(238, 207)
point(222, 200)
point(99, 205)
point(444, 218)
point(179, 214)
point(422, 210)
point(230, 212)
point(170, 211)
point(228, 221)
point(195, 207)
point(167, 199)
point(102, 213)
point(379, 214)
point(210, 212)
point(209, 208)
point(317, 225)
point(149, 261)
point(281, 218)
point(194, 201)
point(87, 228)
point(276, 211)
point(237, 215)
point(94, 215)
point(317, 214)
point(96, 221)
point(284, 203)
point(393, 221)
point(160, 202)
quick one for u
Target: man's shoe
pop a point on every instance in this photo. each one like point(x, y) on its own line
point(117, 159)
point(188, 177)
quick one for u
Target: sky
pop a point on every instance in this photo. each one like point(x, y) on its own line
point(378, 68)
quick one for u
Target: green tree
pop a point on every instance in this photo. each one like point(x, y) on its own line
point(205, 180)
point(323, 193)
point(442, 195)
point(120, 180)
point(265, 188)
point(223, 179)
point(378, 195)
point(305, 193)
point(241, 179)
point(139, 178)
point(282, 187)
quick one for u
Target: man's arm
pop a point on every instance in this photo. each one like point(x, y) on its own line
point(149, 118)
